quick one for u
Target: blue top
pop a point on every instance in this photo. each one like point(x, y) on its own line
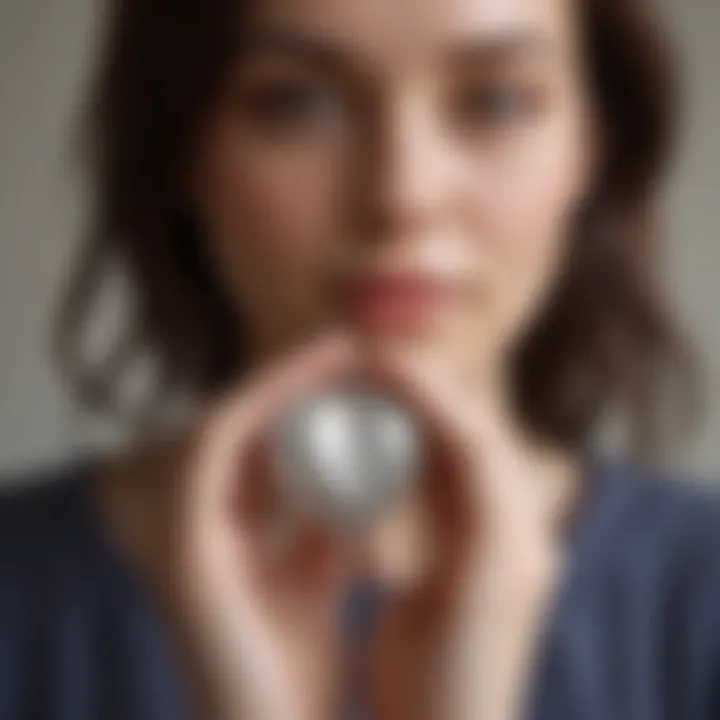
point(634, 633)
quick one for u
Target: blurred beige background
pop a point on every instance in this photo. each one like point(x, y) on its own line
point(46, 49)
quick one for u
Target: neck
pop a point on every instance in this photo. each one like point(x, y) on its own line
point(550, 473)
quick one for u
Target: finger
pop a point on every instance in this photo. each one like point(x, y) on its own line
point(288, 379)
point(398, 547)
point(230, 435)
point(255, 495)
point(469, 433)
point(449, 428)
point(315, 565)
point(447, 486)
point(469, 480)
point(471, 486)
point(317, 557)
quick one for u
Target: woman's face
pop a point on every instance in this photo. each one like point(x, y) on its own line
point(409, 168)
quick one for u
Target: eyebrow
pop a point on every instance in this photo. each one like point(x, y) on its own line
point(500, 48)
point(298, 44)
point(483, 49)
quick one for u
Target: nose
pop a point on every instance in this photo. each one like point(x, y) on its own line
point(408, 178)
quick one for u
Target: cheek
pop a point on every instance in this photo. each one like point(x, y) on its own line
point(269, 215)
point(268, 202)
point(525, 215)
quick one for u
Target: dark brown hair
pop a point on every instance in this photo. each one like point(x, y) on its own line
point(605, 341)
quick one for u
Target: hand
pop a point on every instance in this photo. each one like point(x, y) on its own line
point(257, 623)
point(460, 644)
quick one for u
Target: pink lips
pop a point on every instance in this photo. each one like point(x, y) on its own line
point(395, 301)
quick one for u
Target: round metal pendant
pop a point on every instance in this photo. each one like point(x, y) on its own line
point(345, 454)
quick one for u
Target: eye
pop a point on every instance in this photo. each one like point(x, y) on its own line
point(292, 105)
point(495, 105)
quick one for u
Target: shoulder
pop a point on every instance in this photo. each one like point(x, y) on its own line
point(41, 503)
point(73, 621)
point(46, 534)
point(661, 558)
point(658, 522)
point(642, 600)
point(671, 511)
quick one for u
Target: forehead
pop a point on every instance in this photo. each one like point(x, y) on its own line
point(397, 31)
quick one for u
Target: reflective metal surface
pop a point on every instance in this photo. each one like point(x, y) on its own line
point(345, 454)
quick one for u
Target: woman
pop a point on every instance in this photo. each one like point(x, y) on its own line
point(454, 198)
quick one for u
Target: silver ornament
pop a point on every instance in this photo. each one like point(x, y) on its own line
point(345, 454)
